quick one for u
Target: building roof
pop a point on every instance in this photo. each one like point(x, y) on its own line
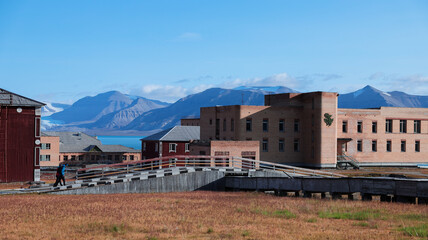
point(177, 133)
point(75, 142)
point(15, 100)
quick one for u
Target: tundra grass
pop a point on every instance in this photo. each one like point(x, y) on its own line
point(205, 215)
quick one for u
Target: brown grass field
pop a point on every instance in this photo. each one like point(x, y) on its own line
point(206, 215)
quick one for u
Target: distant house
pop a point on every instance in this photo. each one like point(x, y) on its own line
point(173, 141)
point(77, 148)
point(19, 138)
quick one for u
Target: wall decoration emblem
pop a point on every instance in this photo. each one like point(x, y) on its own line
point(327, 119)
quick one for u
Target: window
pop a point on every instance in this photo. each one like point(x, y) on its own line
point(65, 158)
point(131, 157)
point(224, 125)
point(281, 125)
point(211, 121)
point(403, 146)
point(156, 147)
point(403, 126)
point(417, 126)
point(296, 125)
point(217, 128)
point(46, 158)
point(360, 126)
point(417, 146)
point(46, 146)
point(80, 157)
point(186, 147)
point(265, 145)
point(281, 145)
point(172, 147)
point(388, 146)
point(296, 145)
point(374, 127)
point(124, 157)
point(388, 126)
point(232, 125)
point(345, 126)
point(144, 146)
point(265, 125)
point(248, 124)
point(116, 157)
point(374, 146)
point(109, 157)
point(359, 146)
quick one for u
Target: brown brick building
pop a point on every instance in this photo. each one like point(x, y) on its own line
point(307, 129)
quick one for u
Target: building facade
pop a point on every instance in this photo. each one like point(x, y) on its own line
point(76, 148)
point(170, 142)
point(19, 138)
point(307, 129)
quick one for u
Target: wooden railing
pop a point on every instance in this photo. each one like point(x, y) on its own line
point(196, 161)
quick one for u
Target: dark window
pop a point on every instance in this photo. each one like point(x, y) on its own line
point(296, 145)
point(360, 126)
point(296, 125)
point(281, 145)
point(211, 121)
point(232, 125)
point(388, 126)
point(80, 157)
point(281, 125)
point(374, 146)
point(403, 146)
point(374, 127)
point(388, 146)
point(217, 128)
point(265, 125)
point(131, 157)
point(403, 126)
point(345, 126)
point(417, 126)
point(109, 157)
point(116, 157)
point(359, 146)
point(249, 124)
point(124, 157)
point(224, 125)
point(265, 145)
point(417, 146)
point(65, 158)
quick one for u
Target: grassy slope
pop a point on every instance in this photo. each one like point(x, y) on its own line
point(205, 215)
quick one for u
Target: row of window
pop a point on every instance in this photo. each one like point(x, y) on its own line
point(265, 125)
point(93, 157)
point(249, 125)
point(388, 126)
point(403, 146)
point(281, 145)
point(172, 147)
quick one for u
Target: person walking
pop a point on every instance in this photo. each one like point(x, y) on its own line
point(60, 175)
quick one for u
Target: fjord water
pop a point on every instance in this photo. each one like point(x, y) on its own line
point(128, 141)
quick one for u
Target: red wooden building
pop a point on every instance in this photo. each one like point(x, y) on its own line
point(19, 138)
point(170, 142)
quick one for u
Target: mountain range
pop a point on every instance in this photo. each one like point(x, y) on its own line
point(117, 113)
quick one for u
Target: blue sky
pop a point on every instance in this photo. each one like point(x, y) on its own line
point(59, 51)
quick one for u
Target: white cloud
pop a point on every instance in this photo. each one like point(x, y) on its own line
point(189, 36)
point(281, 79)
point(411, 84)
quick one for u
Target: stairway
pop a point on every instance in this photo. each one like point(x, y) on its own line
point(343, 161)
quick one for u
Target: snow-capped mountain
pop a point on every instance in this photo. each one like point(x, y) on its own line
point(370, 97)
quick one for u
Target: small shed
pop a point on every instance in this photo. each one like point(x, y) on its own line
point(19, 138)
